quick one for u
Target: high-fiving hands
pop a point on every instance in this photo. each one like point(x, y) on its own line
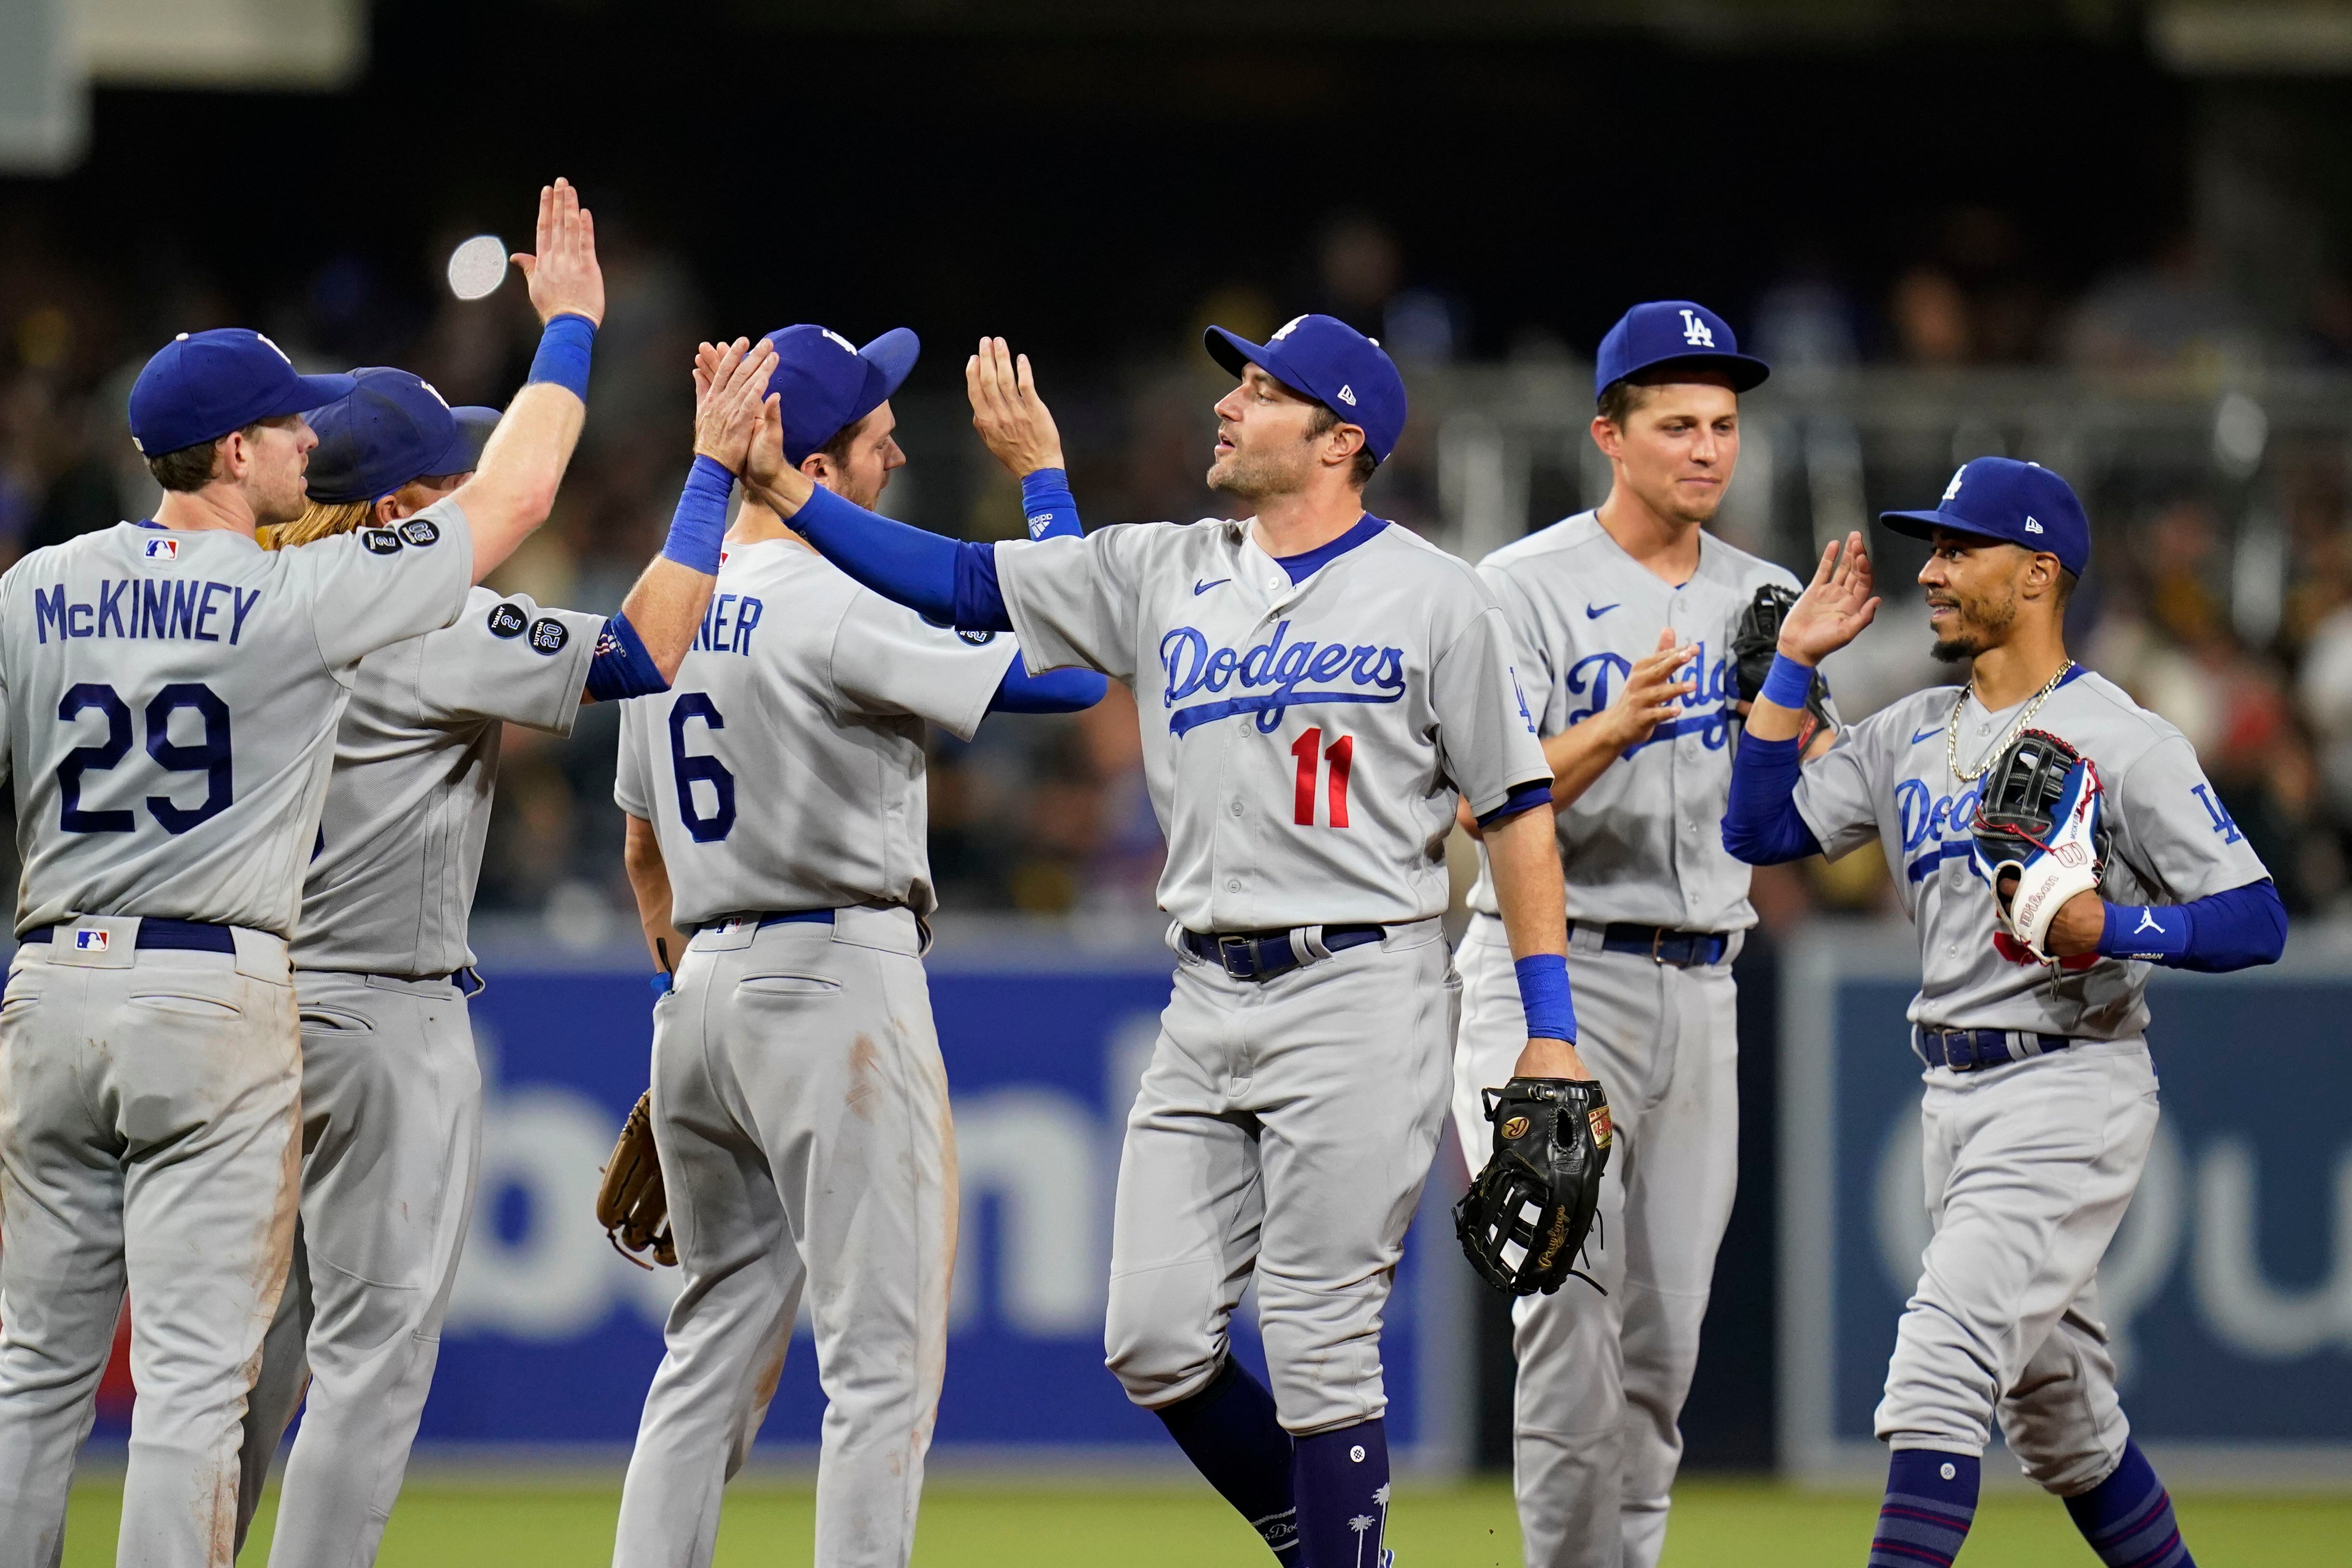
point(1014, 422)
point(562, 272)
point(1835, 605)
point(730, 399)
point(1651, 694)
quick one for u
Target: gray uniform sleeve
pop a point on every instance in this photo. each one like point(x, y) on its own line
point(632, 790)
point(1486, 731)
point(1529, 657)
point(509, 659)
point(887, 660)
point(1835, 794)
point(376, 586)
point(1073, 601)
point(2173, 831)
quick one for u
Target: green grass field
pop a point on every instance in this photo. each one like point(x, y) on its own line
point(1750, 1525)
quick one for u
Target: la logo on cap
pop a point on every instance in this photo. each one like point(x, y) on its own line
point(1954, 487)
point(846, 346)
point(1284, 331)
point(1696, 332)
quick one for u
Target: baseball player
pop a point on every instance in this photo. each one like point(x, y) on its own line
point(776, 812)
point(391, 1091)
point(172, 698)
point(1625, 616)
point(1317, 687)
point(2050, 840)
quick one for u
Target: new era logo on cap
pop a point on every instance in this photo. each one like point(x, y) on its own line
point(2032, 526)
point(1347, 396)
point(161, 549)
point(88, 939)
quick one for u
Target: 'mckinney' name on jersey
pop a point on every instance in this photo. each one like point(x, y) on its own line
point(1596, 677)
point(726, 625)
point(1372, 675)
point(155, 607)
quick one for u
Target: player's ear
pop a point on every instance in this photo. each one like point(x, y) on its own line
point(1607, 436)
point(818, 467)
point(387, 511)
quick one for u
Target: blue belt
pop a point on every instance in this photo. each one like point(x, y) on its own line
point(1683, 949)
point(794, 917)
point(1262, 954)
point(1966, 1050)
point(185, 936)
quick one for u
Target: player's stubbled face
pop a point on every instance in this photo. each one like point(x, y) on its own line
point(1971, 586)
point(1679, 448)
point(277, 453)
point(1266, 440)
point(873, 452)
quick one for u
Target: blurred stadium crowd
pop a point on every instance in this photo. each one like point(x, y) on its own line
point(2221, 595)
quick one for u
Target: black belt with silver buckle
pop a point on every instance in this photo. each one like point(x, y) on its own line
point(1262, 954)
point(1661, 944)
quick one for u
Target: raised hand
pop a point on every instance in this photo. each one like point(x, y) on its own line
point(561, 272)
point(1651, 695)
point(729, 400)
point(1012, 420)
point(1835, 605)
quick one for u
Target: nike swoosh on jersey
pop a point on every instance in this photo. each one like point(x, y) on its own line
point(1594, 611)
point(1929, 733)
point(1200, 587)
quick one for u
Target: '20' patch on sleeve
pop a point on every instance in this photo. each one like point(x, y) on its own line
point(549, 634)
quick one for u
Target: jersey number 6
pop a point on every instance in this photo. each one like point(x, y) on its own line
point(209, 757)
point(688, 769)
point(1309, 750)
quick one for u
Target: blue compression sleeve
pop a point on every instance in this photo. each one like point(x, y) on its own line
point(563, 350)
point(2233, 930)
point(1761, 824)
point(1055, 691)
point(1047, 503)
point(1525, 797)
point(622, 667)
point(945, 579)
point(1545, 997)
point(700, 525)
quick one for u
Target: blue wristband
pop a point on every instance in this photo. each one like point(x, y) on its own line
point(1047, 503)
point(623, 666)
point(2137, 932)
point(1788, 683)
point(562, 358)
point(1544, 996)
point(699, 524)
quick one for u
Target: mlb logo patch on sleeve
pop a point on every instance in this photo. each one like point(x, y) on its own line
point(161, 549)
point(90, 940)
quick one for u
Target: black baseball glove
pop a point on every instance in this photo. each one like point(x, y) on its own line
point(1753, 643)
point(2041, 835)
point(1524, 1220)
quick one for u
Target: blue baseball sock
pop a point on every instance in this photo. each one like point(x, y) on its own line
point(1229, 1432)
point(2128, 1518)
point(1342, 1481)
point(1931, 1501)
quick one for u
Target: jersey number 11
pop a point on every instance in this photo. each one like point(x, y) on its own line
point(1309, 750)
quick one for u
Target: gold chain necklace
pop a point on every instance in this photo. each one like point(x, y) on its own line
point(1952, 730)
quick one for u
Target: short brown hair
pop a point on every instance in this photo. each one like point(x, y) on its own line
point(1327, 418)
point(837, 448)
point(192, 468)
point(1621, 399)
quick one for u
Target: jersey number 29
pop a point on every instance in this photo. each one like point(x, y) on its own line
point(1311, 752)
point(209, 757)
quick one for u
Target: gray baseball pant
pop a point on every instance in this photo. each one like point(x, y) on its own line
point(392, 1132)
point(148, 1114)
point(1603, 1378)
point(1283, 1129)
point(800, 1107)
point(2029, 1169)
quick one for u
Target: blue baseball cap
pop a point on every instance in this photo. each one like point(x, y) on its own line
point(1324, 358)
point(393, 428)
point(826, 383)
point(1674, 331)
point(2001, 498)
point(202, 385)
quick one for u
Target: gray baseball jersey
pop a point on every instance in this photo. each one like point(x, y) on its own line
point(416, 758)
point(1889, 777)
point(1644, 843)
point(784, 769)
point(1304, 740)
point(171, 699)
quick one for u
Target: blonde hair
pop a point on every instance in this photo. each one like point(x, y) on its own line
point(320, 519)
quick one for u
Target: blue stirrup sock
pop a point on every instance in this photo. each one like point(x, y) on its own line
point(1229, 1432)
point(1341, 1480)
point(1931, 1501)
point(2128, 1518)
